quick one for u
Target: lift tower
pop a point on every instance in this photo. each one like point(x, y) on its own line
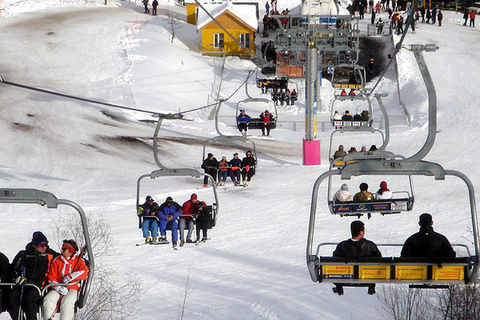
point(323, 32)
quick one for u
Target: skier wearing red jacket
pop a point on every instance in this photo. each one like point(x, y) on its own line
point(68, 268)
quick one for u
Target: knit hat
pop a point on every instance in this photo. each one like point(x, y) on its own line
point(383, 185)
point(344, 187)
point(193, 196)
point(148, 199)
point(38, 238)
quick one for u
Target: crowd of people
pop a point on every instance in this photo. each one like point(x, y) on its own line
point(281, 96)
point(424, 244)
point(344, 194)
point(240, 171)
point(171, 216)
point(36, 267)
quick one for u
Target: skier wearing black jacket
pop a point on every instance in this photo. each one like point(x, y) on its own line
point(248, 168)
point(356, 247)
point(427, 243)
point(30, 266)
point(210, 165)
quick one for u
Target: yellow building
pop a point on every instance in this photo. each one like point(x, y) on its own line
point(239, 19)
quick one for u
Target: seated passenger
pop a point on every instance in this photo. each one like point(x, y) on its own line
point(343, 93)
point(337, 116)
point(426, 242)
point(365, 115)
point(168, 214)
point(68, 268)
point(352, 150)
point(356, 247)
point(383, 193)
point(357, 117)
point(149, 220)
point(347, 116)
point(343, 195)
point(363, 149)
point(242, 122)
point(373, 148)
point(363, 195)
point(340, 153)
point(351, 93)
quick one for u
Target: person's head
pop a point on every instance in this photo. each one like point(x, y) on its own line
point(266, 111)
point(373, 148)
point(347, 112)
point(344, 187)
point(210, 155)
point(364, 148)
point(357, 228)
point(194, 197)
point(242, 111)
point(169, 201)
point(352, 149)
point(224, 158)
point(69, 248)
point(340, 147)
point(336, 112)
point(380, 20)
point(425, 220)
point(383, 185)
point(149, 200)
point(249, 153)
point(363, 186)
point(200, 206)
point(235, 155)
point(39, 241)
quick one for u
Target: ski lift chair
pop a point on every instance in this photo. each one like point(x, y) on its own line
point(418, 272)
point(257, 123)
point(44, 198)
point(339, 124)
point(179, 173)
point(349, 76)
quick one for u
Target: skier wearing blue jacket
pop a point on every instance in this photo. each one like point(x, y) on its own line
point(168, 214)
point(242, 122)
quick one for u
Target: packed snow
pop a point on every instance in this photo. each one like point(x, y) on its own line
point(254, 265)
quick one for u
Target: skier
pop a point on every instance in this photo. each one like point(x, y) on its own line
point(380, 26)
point(168, 215)
point(465, 16)
point(356, 247)
point(440, 18)
point(30, 266)
point(222, 171)
point(147, 213)
point(343, 195)
point(426, 242)
point(145, 3)
point(203, 221)
point(383, 192)
point(248, 168)
point(340, 153)
point(472, 19)
point(154, 7)
point(347, 116)
point(267, 119)
point(186, 220)
point(363, 195)
point(69, 268)
point(210, 165)
point(235, 172)
point(293, 97)
point(242, 122)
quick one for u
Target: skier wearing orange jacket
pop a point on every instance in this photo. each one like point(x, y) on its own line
point(68, 268)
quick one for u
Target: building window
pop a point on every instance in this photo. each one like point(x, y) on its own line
point(218, 40)
point(245, 40)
